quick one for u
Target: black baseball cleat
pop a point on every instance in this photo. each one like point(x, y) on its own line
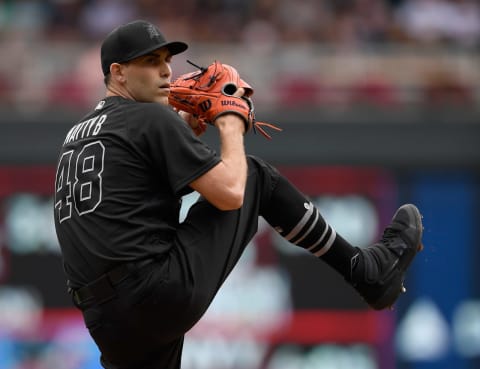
point(378, 271)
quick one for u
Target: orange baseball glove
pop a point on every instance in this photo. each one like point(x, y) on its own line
point(208, 94)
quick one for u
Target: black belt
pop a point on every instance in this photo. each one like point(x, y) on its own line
point(102, 289)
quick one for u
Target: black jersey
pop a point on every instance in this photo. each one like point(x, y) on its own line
point(121, 173)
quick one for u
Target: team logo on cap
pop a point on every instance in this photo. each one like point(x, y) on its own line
point(152, 31)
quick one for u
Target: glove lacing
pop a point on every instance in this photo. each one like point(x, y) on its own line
point(255, 124)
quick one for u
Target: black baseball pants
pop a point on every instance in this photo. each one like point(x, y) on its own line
point(143, 327)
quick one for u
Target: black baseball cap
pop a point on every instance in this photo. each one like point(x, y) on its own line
point(132, 40)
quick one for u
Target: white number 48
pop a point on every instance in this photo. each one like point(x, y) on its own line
point(78, 180)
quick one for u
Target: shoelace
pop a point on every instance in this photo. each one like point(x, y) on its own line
point(388, 236)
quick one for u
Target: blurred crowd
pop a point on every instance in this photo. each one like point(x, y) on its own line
point(336, 21)
point(50, 48)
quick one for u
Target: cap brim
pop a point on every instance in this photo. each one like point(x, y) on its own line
point(175, 47)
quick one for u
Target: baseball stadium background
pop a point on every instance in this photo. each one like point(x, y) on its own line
point(380, 105)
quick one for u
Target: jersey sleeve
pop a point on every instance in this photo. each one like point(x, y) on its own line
point(172, 147)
